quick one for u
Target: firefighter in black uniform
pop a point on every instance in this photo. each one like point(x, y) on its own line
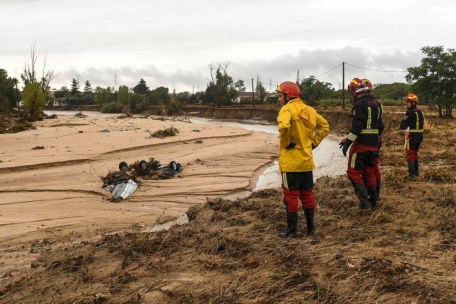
point(412, 122)
point(363, 143)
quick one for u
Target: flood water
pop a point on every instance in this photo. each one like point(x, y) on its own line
point(328, 157)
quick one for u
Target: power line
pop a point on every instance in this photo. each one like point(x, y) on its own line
point(329, 71)
point(375, 70)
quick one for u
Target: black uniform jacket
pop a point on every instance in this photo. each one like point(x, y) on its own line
point(367, 122)
point(413, 119)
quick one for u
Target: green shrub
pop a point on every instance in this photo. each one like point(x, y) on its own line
point(112, 107)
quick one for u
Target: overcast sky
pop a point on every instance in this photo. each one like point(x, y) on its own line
point(171, 43)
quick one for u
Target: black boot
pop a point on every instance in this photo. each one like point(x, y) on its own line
point(309, 214)
point(411, 169)
point(373, 198)
point(416, 167)
point(379, 183)
point(362, 196)
point(292, 222)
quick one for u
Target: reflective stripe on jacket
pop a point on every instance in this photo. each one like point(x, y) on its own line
point(367, 123)
point(297, 122)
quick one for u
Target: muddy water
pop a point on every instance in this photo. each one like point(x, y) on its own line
point(328, 158)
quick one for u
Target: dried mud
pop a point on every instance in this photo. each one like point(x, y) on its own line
point(229, 251)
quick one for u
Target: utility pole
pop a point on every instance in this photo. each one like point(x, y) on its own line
point(115, 82)
point(343, 85)
point(297, 79)
point(193, 92)
point(253, 96)
point(78, 78)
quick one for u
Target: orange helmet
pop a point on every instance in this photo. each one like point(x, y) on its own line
point(357, 86)
point(411, 97)
point(368, 83)
point(289, 88)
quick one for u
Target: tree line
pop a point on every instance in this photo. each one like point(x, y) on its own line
point(434, 80)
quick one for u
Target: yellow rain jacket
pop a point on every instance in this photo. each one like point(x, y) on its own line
point(297, 122)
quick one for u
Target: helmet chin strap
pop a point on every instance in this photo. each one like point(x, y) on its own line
point(285, 97)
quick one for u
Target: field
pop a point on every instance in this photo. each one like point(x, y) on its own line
point(229, 251)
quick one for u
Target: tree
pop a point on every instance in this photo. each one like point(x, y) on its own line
point(394, 90)
point(88, 88)
point(61, 92)
point(34, 99)
point(103, 96)
point(123, 95)
point(220, 90)
point(260, 90)
point(29, 73)
point(74, 87)
point(141, 87)
point(435, 78)
point(239, 85)
point(159, 96)
point(9, 95)
point(312, 89)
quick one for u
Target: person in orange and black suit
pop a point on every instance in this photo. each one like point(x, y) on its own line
point(413, 123)
point(363, 143)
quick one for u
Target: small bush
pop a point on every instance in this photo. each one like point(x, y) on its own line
point(112, 107)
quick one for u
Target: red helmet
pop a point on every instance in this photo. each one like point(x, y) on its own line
point(411, 97)
point(368, 83)
point(357, 86)
point(289, 88)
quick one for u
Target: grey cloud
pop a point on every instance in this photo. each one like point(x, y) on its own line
point(271, 72)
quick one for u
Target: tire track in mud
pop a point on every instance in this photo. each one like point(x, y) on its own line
point(68, 125)
point(171, 143)
point(43, 220)
point(46, 165)
point(54, 190)
point(109, 153)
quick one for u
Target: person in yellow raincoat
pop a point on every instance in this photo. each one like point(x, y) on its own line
point(301, 129)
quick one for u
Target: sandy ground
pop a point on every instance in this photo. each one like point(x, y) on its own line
point(54, 194)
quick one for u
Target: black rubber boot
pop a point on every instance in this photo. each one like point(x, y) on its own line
point(379, 184)
point(411, 169)
point(373, 198)
point(362, 196)
point(416, 167)
point(292, 222)
point(309, 214)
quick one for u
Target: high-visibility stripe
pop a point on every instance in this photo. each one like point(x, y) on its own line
point(417, 121)
point(369, 118)
point(353, 160)
point(416, 131)
point(285, 181)
point(371, 131)
point(352, 136)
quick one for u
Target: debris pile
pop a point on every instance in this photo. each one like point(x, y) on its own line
point(124, 182)
point(52, 116)
point(164, 133)
point(13, 123)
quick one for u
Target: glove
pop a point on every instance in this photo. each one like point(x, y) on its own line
point(313, 146)
point(290, 146)
point(345, 146)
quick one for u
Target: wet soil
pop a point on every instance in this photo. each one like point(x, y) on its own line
point(229, 251)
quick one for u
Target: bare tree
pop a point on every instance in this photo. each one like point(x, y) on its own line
point(28, 75)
